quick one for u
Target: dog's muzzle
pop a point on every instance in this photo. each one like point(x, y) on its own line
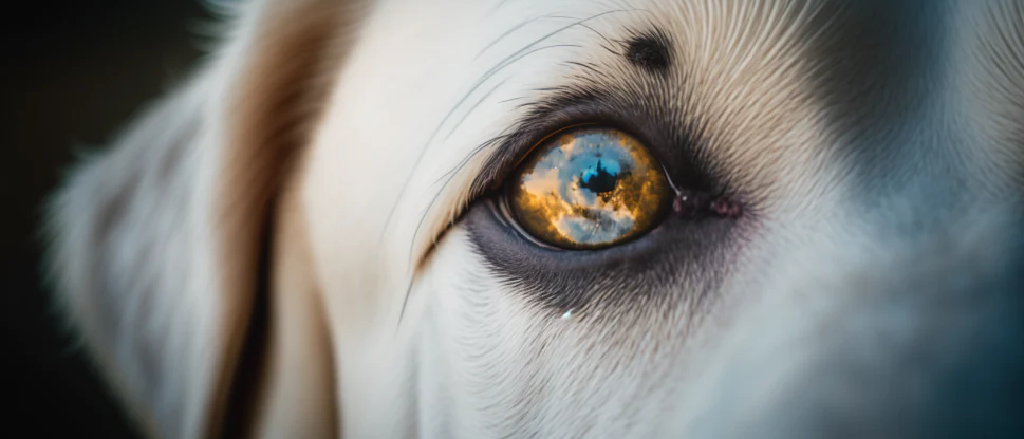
point(925, 345)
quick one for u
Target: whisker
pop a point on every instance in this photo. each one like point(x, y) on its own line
point(606, 40)
point(475, 150)
point(515, 28)
point(470, 110)
point(508, 60)
point(450, 175)
point(584, 65)
point(423, 151)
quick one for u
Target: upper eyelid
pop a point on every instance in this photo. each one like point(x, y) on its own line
point(526, 135)
point(570, 106)
point(510, 147)
point(523, 156)
point(507, 148)
point(567, 109)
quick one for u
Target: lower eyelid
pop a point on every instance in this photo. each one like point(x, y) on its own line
point(562, 279)
point(500, 208)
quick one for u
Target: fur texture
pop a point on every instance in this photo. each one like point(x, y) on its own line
point(870, 288)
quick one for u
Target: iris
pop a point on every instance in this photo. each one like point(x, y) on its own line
point(588, 188)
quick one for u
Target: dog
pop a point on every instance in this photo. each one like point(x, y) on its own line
point(555, 219)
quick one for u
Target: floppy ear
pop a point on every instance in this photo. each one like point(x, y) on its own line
point(156, 243)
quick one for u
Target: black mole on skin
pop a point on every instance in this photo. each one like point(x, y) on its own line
point(650, 51)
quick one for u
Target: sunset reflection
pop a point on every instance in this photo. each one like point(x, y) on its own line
point(589, 188)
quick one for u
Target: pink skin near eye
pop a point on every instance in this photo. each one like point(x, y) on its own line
point(693, 203)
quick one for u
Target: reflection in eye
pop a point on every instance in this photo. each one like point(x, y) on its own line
point(587, 189)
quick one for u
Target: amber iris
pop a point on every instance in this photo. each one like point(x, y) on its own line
point(588, 188)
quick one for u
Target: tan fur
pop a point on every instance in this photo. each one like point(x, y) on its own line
point(181, 225)
point(339, 139)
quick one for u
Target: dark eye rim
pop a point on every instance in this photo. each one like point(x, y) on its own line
point(642, 268)
point(647, 268)
point(680, 153)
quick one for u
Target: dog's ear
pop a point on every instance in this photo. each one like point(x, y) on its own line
point(156, 243)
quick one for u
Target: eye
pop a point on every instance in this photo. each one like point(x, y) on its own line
point(588, 188)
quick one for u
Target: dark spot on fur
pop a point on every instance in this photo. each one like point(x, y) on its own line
point(650, 51)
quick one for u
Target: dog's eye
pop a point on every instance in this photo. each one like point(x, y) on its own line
point(588, 188)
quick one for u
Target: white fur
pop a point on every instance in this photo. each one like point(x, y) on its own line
point(352, 128)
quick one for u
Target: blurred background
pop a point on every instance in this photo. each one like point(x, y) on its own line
point(73, 73)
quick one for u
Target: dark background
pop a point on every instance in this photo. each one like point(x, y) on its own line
point(74, 72)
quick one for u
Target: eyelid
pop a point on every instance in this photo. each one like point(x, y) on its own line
point(504, 214)
point(508, 156)
point(679, 153)
point(511, 153)
point(498, 170)
point(526, 154)
point(545, 117)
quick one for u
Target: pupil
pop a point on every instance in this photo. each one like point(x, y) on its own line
point(600, 180)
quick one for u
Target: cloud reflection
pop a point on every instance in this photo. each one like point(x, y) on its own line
point(589, 188)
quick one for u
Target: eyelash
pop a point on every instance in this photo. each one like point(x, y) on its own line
point(687, 203)
point(572, 107)
point(692, 170)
